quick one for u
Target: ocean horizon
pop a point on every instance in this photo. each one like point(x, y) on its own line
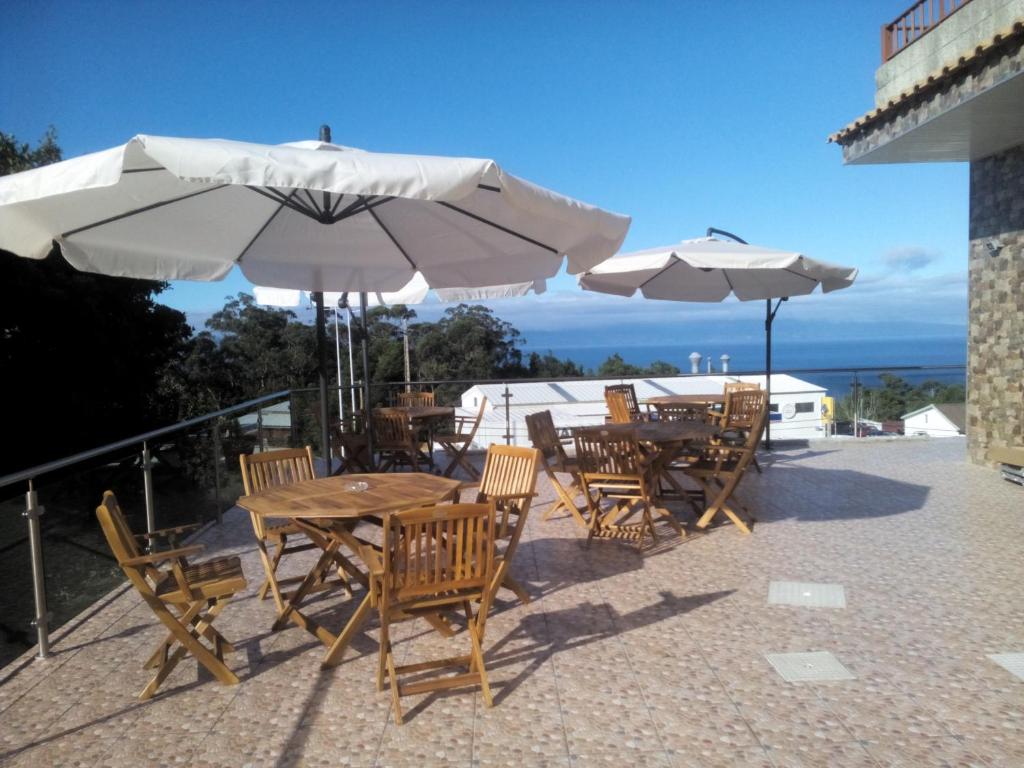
point(788, 355)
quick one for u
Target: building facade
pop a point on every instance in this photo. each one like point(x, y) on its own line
point(951, 89)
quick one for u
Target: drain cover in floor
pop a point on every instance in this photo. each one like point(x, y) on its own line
point(806, 594)
point(813, 667)
point(1011, 662)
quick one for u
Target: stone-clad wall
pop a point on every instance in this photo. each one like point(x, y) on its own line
point(995, 381)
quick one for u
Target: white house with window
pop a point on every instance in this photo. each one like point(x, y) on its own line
point(936, 420)
point(795, 404)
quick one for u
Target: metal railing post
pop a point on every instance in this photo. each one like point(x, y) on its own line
point(35, 538)
point(508, 418)
point(259, 425)
point(147, 485)
point(216, 471)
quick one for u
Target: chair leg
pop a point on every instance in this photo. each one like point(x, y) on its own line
point(756, 465)
point(275, 561)
point(385, 649)
point(396, 696)
point(190, 643)
point(477, 657)
point(518, 589)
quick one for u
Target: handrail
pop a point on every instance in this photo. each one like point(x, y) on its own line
point(41, 469)
point(641, 376)
point(915, 22)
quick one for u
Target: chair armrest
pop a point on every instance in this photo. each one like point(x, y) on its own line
point(159, 557)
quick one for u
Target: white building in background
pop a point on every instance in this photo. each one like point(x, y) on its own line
point(795, 404)
point(942, 420)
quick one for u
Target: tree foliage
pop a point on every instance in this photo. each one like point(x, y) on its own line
point(82, 354)
point(895, 398)
point(615, 367)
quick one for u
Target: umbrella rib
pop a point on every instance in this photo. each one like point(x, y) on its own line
point(366, 203)
point(280, 197)
point(312, 203)
point(725, 274)
point(261, 230)
point(143, 170)
point(805, 277)
point(136, 211)
point(660, 272)
point(497, 226)
point(392, 237)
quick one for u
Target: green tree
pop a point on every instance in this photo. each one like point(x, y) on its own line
point(615, 367)
point(661, 368)
point(82, 354)
point(547, 366)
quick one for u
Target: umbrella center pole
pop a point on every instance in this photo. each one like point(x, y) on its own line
point(321, 365)
point(367, 423)
point(768, 321)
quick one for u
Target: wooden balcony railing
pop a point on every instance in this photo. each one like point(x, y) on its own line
point(919, 19)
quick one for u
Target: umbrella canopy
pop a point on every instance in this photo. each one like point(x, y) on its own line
point(710, 269)
point(309, 215)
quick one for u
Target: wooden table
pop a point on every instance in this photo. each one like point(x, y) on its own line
point(669, 439)
point(697, 399)
point(327, 509)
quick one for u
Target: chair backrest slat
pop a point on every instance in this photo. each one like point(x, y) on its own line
point(608, 452)
point(436, 550)
point(629, 392)
point(272, 468)
point(391, 429)
point(618, 406)
point(414, 399)
point(681, 412)
point(742, 407)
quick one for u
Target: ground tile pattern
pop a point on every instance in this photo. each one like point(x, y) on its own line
point(621, 657)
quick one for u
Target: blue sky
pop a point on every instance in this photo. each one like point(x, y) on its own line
point(682, 114)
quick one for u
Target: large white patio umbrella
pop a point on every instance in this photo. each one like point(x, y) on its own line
point(711, 269)
point(308, 215)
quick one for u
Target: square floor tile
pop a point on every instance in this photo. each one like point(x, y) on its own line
point(806, 594)
point(1011, 662)
point(812, 667)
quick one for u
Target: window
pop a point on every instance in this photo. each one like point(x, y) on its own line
point(774, 407)
point(805, 407)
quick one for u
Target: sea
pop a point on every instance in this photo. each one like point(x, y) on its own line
point(868, 358)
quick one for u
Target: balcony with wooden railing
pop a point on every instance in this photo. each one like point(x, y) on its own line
point(914, 23)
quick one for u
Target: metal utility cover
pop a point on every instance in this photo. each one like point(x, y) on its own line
point(806, 594)
point(813, 667)
point(1011, 662)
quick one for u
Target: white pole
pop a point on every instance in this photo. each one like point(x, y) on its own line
point(337, 359)
point(405, 345)
point(351, 363)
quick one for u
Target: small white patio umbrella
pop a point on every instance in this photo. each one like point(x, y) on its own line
point(711, 269)
point(308, 215)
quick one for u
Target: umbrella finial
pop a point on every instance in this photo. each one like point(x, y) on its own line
point(325, 133)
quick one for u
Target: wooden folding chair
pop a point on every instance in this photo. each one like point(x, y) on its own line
point(613, 467)
point(618, 407)
point(348, 439)
point(266, 470)
point(509, 482)
point(541, 429)
point(721, 468)
point(457, 442)
point(435, 558)
point(186, 598)
point(737, 416)
point(395, 439)
point(414, 399)
point(632, 404)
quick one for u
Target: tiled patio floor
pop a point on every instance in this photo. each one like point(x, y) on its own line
point(622, 658)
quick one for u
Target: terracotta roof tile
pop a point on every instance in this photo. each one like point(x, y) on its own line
point(931, 84)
